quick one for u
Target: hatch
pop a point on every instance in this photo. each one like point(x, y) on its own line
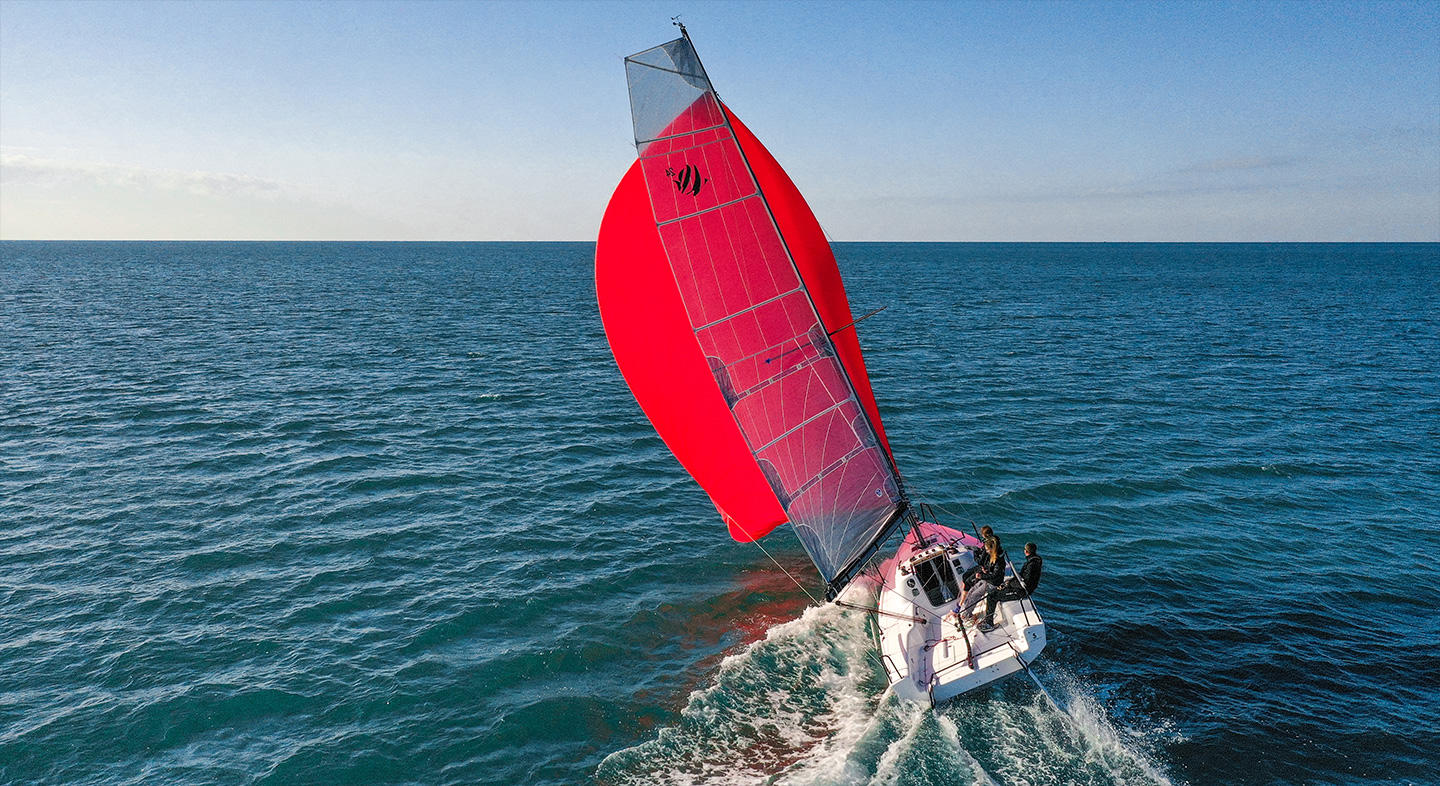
point(937, 578)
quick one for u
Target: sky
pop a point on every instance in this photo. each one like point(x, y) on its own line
point(1016, 121)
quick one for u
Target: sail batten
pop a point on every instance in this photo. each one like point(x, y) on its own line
point(707, 210)
point(793, 394)
point(686, 133)
point(661, 68)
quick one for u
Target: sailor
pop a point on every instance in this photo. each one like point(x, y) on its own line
point(989, 568)
point(1012, 590)
point(982, 556)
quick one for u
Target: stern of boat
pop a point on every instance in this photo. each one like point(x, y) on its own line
point(930, 655)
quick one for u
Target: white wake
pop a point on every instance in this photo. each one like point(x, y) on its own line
point(805, 706)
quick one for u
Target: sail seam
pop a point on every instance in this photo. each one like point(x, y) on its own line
point(667, 70)
point(646, 156)
point(653, 48)
point(747, 310)
point(834, 465)
point(800, 425)
point(676, 136)
point(772, 381)
point(669, 221)
point(809, 361)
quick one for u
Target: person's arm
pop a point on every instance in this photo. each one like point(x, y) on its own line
point(995, 573)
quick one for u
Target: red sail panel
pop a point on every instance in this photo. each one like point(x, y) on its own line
point(655, 348)
point(815, 260)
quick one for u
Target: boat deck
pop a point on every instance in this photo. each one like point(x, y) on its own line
point(929, 655)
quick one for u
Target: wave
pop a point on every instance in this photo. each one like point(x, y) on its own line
point(806, 706)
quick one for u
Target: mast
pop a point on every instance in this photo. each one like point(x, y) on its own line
point(739, 351)
point(843, 577)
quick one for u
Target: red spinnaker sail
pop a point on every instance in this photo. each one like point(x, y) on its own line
point(724, 307)
point(656, 351)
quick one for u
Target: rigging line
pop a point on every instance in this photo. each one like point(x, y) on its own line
point(1009, 563)
point(795, 369)
point(862, 318)
point(867, 567)
point(874, 652)
point(858, 607)
point(786, 572)
point(953, 514)
point(1026, 667)
point(798, 349)
point(887, 588)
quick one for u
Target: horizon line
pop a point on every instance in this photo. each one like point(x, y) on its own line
point(832, 242)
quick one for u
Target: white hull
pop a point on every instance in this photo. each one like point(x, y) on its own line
point(929, 655)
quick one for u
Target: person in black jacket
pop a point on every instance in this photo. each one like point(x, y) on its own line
point(1029, 582)
point(989, 569)
point(983, 559)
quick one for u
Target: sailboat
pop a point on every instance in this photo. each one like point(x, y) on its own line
point(723, 305)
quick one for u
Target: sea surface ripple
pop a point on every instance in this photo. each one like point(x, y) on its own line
point(386, 513)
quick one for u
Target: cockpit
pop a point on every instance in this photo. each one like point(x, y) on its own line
point(936, 572)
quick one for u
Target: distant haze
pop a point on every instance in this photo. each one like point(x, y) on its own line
point(907, 121)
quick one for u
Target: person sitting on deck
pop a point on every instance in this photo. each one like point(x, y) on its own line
point(1011, 590)
point(989, 568)
point(982, 556)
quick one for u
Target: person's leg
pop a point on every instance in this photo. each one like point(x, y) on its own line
point(990, 602)
point(967, 580)
point(977, 593)
point(995, 597)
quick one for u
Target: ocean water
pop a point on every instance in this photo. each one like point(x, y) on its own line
point(386, 513)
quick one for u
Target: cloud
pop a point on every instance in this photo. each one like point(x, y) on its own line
point(1135, 190)
point(56, 197)
point(1239, 164)
point(1239, 175)
point(18, 168)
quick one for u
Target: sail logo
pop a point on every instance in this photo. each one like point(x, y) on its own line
point(687, 180)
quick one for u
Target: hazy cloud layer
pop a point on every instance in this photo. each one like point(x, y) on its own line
point(50, 197)
point(1241, 164)
point(18, 168)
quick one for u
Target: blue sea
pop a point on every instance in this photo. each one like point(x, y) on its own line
point(354, 513)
